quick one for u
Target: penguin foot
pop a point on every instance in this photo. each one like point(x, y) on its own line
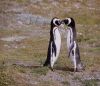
point(75, 70)
point(78, 70)
point(51, 69)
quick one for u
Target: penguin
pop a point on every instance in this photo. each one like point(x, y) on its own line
point(72, 45)
point(54, 43)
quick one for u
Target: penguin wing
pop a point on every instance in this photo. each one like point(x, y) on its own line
point(54, 49)
point(78, 51)
point(70, 49)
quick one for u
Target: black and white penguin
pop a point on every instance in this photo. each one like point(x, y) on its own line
point(54, 43)
point(72, 45)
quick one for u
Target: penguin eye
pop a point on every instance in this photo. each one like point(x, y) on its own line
point(66, 21)
point(58, 22)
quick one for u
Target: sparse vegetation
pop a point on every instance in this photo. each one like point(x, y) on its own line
point(5, 77)
point(40, 70)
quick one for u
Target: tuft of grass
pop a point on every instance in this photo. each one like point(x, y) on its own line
point(40, 70)
point(77, 78)
point(66, 83)
point(82, 39)
point(5, 78)
point(20, 69)
point(91, 82)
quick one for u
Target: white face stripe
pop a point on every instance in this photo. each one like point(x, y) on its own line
point(54, 21)
point(54, 32)
point(69, 20)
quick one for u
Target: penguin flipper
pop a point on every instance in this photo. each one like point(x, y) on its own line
point(54, 50)
point(70, 49)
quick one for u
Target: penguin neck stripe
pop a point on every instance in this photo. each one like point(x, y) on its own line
point(69, 21)
point(54, 21)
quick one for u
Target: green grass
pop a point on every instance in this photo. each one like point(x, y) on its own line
point(77, 78)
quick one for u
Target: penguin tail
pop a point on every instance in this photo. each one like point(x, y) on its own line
point(45, 64)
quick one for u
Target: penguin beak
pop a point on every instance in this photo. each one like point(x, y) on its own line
point(59, 22)
point(65, 21)
point(62, 22)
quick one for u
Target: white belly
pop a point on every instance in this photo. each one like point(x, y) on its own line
point(57, 38)
point(68, 39)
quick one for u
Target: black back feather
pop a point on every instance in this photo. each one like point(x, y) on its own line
point(51, 43)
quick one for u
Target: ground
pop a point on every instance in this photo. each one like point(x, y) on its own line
point(24, 37)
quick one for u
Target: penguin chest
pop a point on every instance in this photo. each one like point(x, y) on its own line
point(57, 39)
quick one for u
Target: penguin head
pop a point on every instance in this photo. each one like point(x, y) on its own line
point(69, 22)
point(55, 22)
